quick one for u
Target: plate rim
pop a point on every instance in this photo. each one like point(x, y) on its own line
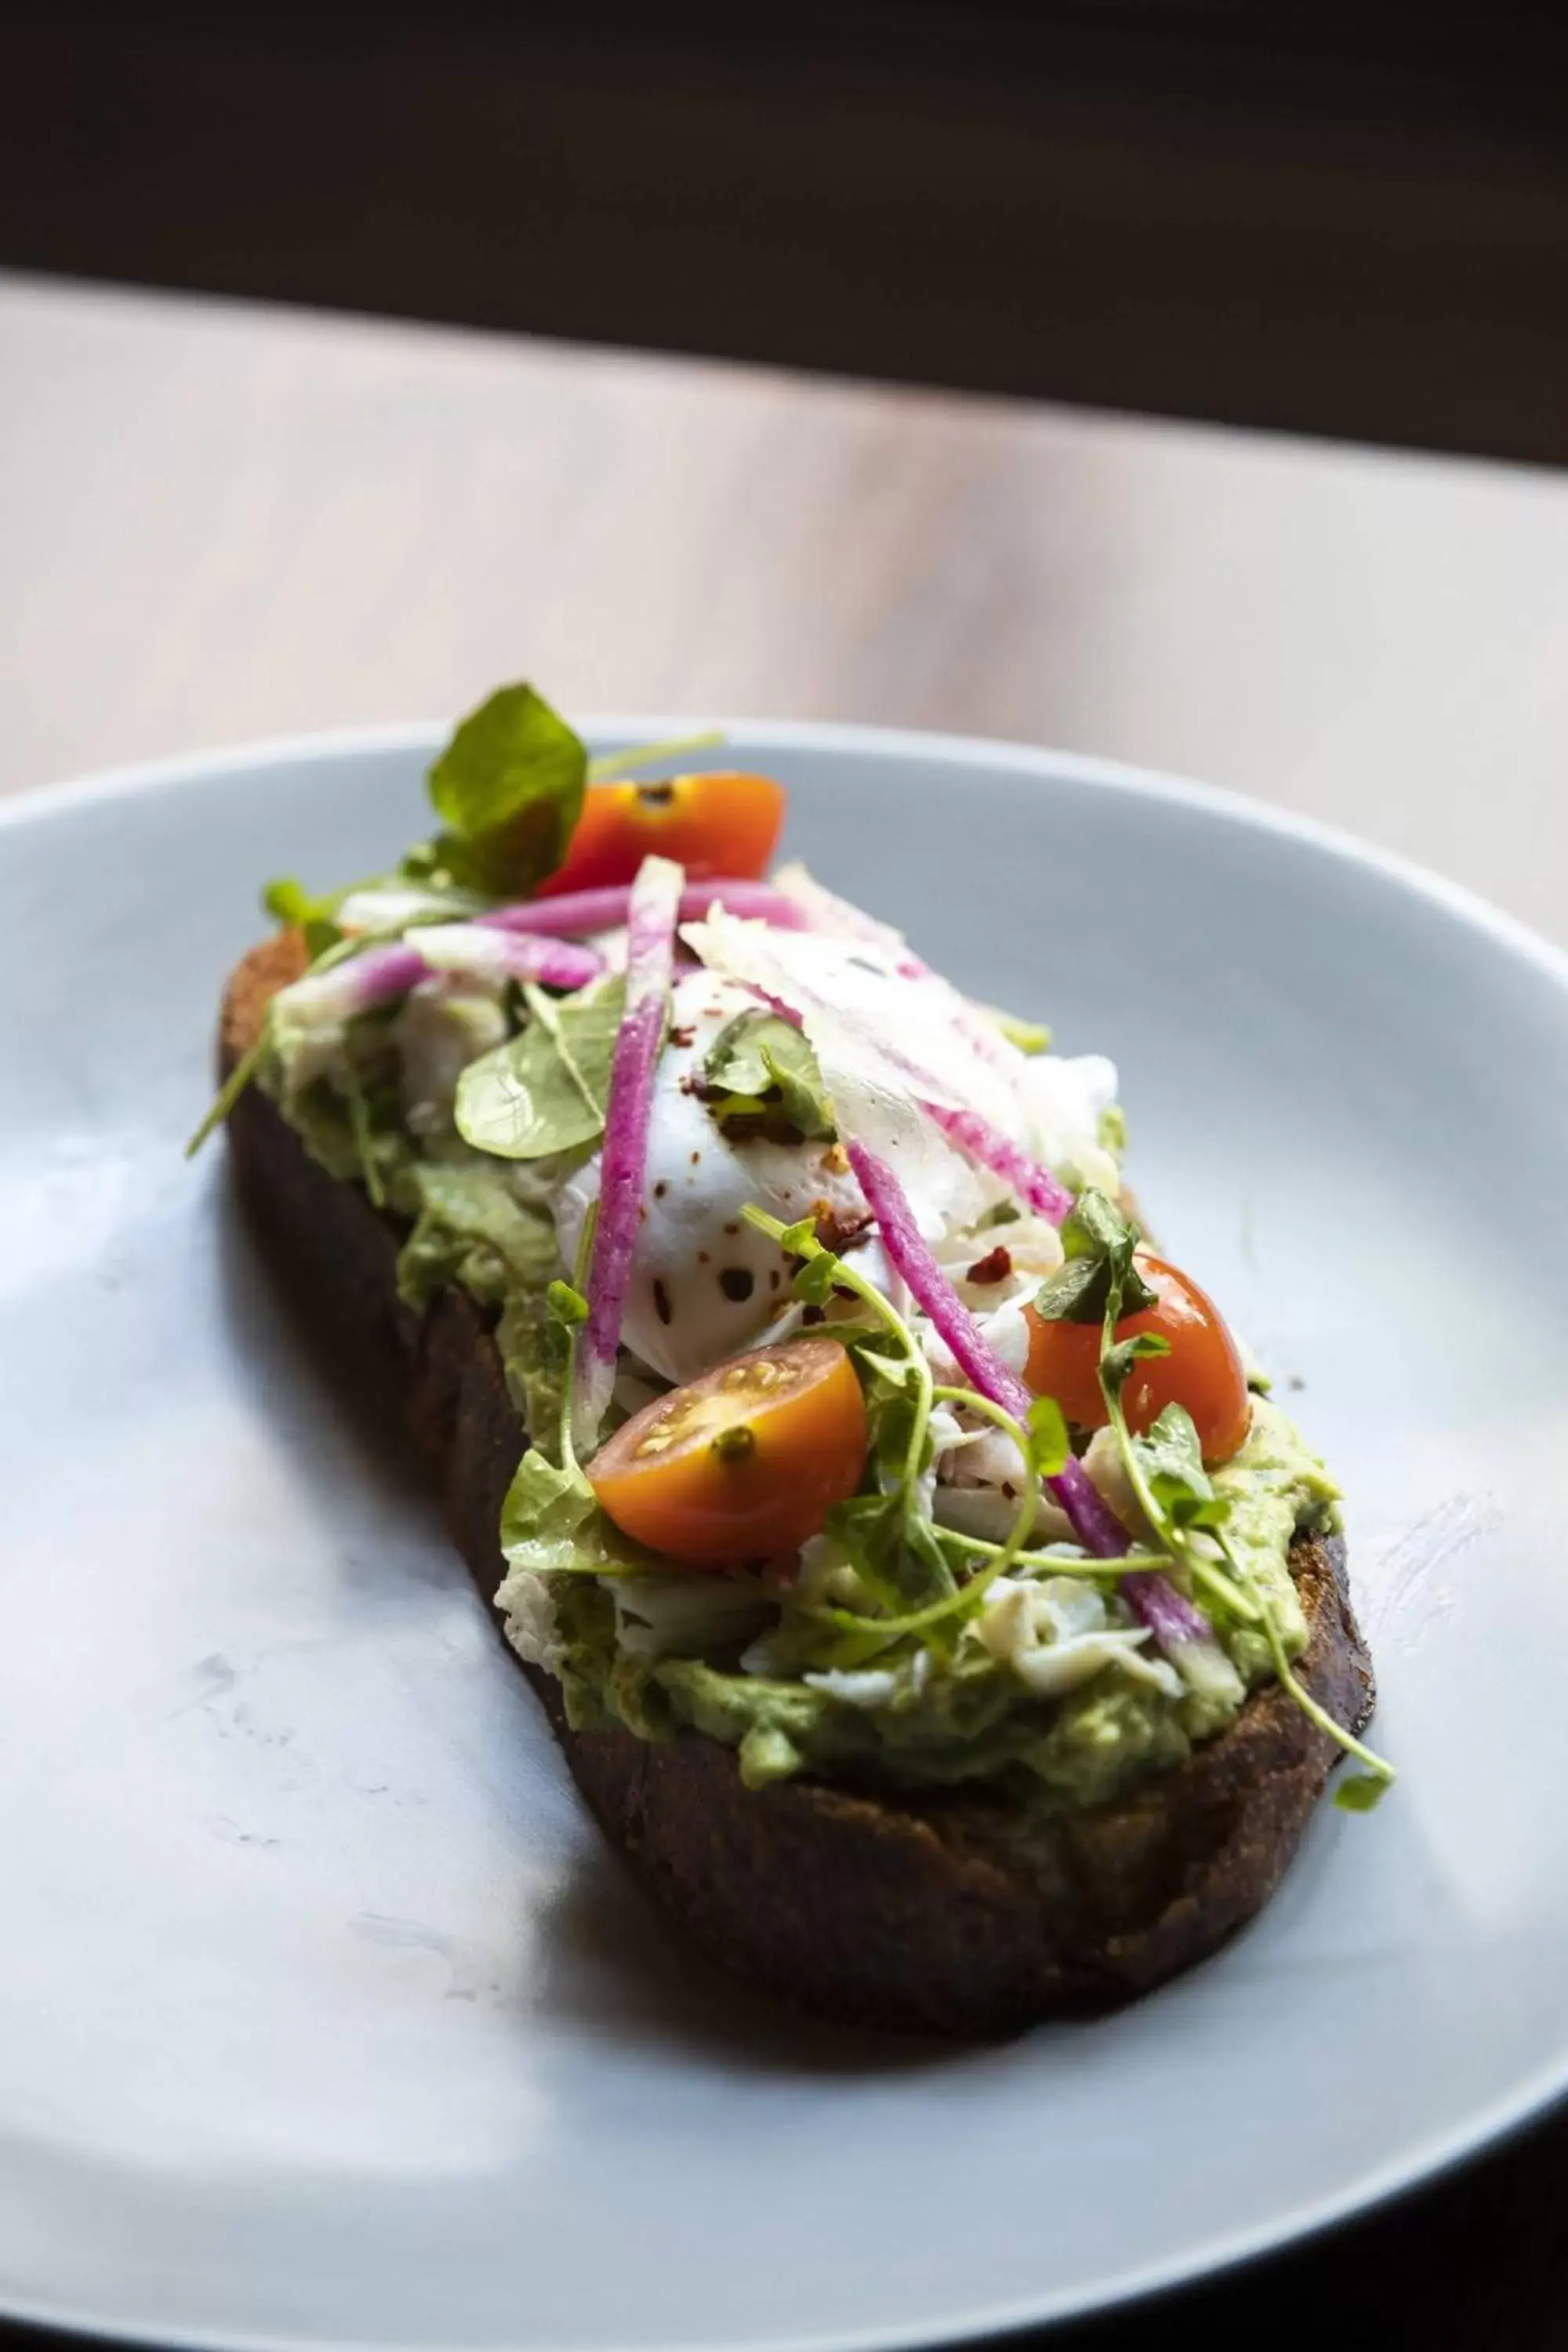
point(35, 802)
point(1434, 2160)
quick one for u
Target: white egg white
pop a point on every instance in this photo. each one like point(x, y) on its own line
point(705, 1283)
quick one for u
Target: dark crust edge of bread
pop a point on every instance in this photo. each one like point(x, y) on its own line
point(955, 1912)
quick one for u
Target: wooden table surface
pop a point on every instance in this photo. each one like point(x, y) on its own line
point(217, 522)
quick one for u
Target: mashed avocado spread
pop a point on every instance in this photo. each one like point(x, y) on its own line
point(968, 1717)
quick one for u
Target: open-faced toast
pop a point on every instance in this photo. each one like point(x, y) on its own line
point(961, 1910)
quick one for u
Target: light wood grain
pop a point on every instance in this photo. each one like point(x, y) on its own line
point(218, 522)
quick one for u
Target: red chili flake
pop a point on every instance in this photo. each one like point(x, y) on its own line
point(994, 1267)
point(683, 1037)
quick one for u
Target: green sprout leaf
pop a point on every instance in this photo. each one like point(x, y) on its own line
point(567, 1305)
point(545, 1089)
point(760, 1062)
point(1029, 1037)
point(1173, 1464)
point(509, 789)
point(814, 1283)
point(1047, 1434)
point(1358, 1793)
point(1099, 1242)
point(289, 902)
point(1118, 1360)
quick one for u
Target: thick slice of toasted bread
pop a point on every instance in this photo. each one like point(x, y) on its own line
point(962, 1911)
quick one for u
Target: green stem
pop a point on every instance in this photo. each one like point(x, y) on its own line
point(229, 1092)
point(358, 1122)
point(1203, 1573)
point(851, 1278)
point(1378, 1766)
point(640, 755)
point(1065, 1563)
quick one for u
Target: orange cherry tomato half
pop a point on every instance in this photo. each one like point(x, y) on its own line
point(743, 1463)
point(717, 824)
point(1202, 1371)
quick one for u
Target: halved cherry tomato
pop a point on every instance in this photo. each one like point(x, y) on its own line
point(717, 824)
point(743, 1463)
point(1202, 1372)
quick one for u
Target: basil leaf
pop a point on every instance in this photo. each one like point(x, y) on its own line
point(544, 1090)
point(759, 1058)
point(508, 788)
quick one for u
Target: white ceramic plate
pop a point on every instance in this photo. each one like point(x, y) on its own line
point(325, 2019)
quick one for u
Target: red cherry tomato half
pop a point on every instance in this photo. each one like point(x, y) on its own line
point(743, 1463)
point(1202, 1371)
point(716, 825)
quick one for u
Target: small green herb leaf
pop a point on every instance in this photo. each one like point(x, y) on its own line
point(815, 1280)
point(1172, 1461)
point(759, 1060)
point(1117, 1362)
point(1076, 1293)
point(567, 1306)
point(1098, 1243)
point(1029, 1037)
point(544, 1090)
point(1358, 1793)
point(509, 787)
point(289, 902)
point(1047, 1434)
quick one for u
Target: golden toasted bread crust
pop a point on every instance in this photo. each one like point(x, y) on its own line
point(959, 1912)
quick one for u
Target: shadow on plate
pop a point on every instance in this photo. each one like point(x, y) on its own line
point(606, 1960)
point(610, 1962)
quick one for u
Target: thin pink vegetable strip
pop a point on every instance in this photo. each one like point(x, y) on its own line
point(380, 973)
point(1177, 1628)
point(1033, 1184)
point(652, 916)
point(1095, 1525)
point(604, 909)
point(361, 980)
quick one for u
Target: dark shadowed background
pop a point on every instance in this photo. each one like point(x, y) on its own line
point(1334, 218)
